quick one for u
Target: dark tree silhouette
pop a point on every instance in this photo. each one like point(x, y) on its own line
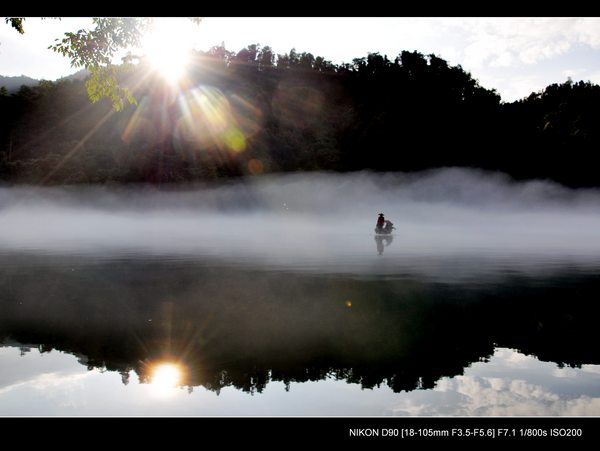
point(297, 112)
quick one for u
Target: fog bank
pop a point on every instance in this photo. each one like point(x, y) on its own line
point(445, 218)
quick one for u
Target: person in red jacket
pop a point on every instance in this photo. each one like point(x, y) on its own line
point(380, 221)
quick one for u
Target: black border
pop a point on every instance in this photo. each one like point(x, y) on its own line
point(304, 431)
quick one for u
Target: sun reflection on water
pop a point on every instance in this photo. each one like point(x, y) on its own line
point(165, 377)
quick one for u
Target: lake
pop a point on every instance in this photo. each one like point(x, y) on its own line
point(273, 297)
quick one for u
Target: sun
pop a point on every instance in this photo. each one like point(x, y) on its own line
point(167, 46)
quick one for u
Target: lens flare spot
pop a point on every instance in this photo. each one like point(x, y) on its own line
point(235, 140)
point(255, 166)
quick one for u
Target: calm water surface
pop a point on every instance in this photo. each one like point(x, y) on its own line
point(290, 310)
point(85, 336)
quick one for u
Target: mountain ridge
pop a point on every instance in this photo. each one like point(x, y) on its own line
point(14, 83)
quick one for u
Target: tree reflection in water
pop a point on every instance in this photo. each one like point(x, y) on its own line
point(245, 328)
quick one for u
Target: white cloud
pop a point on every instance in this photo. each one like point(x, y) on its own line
point(497, 383)
point(587, 31)
point(514, 359)
point(503, 60)
point(53, 380)
point(593, 369)
point(482, 396)
point(487, 389)
point(48, 383)
point(565, 372)
point(9, 388)
point(502, 42)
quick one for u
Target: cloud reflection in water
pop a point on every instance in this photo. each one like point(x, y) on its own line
point(510, 384)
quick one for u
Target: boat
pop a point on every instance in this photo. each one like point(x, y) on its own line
point(387, 228)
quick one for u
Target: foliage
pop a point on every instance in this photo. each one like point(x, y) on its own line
point(16, 23)
point(104, 83)
point(95, 50)
point(97, 47)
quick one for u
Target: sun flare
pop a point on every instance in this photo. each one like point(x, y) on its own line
point(165, 377)
point(167, 47)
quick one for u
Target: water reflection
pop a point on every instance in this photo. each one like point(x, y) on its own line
point(380, 240)
point(164, 377)
point(247, 328)
point(510, 383)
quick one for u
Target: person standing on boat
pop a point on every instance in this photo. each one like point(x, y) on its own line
point(380, 221)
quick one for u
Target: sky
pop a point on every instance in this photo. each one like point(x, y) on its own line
point(515, 56)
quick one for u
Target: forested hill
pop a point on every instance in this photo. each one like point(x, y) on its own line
point(12, 84)
point(255, 112)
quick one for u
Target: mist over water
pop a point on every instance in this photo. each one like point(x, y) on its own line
point(450, 223)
